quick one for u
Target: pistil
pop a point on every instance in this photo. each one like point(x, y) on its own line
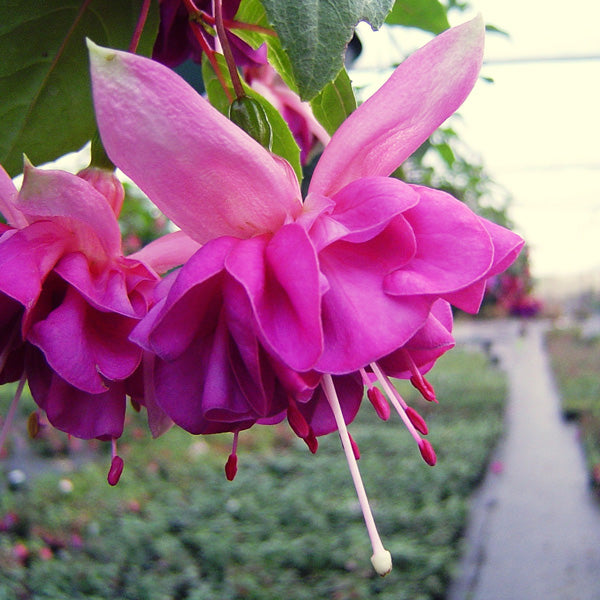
point(381, 559)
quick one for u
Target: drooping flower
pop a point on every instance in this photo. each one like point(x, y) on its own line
point(290, 307)
point(70, 298)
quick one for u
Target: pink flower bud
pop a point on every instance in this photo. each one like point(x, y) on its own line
point(107, 184)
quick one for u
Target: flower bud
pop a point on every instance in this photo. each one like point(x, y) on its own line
point(249, 114)
point(105, 182)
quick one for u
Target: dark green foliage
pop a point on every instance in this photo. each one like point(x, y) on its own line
point(288, 526)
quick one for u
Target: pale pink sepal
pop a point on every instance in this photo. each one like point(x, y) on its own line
point(167, 252)
point(8, 194)
point(74, 204)
point(206, 174)
point(419, 96)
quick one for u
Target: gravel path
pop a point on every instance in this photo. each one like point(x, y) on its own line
point(535, 527)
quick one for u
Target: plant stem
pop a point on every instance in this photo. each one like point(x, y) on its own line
point(222, 35)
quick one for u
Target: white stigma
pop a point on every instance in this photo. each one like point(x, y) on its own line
point(381, 559)
point(382, 562)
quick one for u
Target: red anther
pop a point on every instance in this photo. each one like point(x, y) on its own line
point(355, 449)
point(297, 421)
point(427, 452)
point(417, 420)
point(312, 442)
point(424, 387)
point(231, 467)
point(33, 424)
point(382, 408)
point(116, 468)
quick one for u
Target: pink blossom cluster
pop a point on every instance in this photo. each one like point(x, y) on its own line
point(265, 306)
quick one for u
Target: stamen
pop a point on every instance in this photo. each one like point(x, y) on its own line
point(33, 424)
point(377, 399)
point(297, 421)
point(427, 452)
point(418, 379)
point(417, 420)
point(116, 465)
point(355, 448)
point(381, 559)
point(405, 414)
point(11, 411)
point(231, 464)
point(311, 441)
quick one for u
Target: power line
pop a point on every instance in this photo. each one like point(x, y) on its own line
point(542, 59)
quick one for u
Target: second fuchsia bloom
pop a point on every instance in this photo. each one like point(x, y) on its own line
point(70, 299)
point(290, 305)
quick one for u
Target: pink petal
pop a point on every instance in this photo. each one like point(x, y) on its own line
point(198, 390)
point(425, 347)
point(200, 169)
point(167, 252)
point(8, 195)
point(507, 246)
point(361, 322)
point(192, 304)
point(72, 410)
point(454, 249)
point(281, 278)
point(27, 256)
point(81, 344)
point(419, 96)
point(317, 410)
point(73, 203)
point(111, 288)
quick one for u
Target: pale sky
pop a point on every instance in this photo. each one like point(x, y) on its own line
point(537, 127)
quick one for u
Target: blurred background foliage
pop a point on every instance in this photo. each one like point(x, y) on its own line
point(288, 526)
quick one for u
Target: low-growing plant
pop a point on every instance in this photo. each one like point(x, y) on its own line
point(288, 526)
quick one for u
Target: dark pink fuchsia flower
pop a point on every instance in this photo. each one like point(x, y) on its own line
point(70, 298)
point(181, 36)
point(290, 307)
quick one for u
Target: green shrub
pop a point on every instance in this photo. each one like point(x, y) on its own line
point(288, 526)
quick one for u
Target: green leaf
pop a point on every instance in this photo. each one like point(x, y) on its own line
point(429, 15)
point(315, 33)
point(334, 103)
point(445, 151)
point(284, 144)
point(46, 108)
point(253, 12)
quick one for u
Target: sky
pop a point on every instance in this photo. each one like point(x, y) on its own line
point(537, 127)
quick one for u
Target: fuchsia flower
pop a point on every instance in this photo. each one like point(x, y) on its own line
point(290, 307)
point(184, 33)
point(70, 299)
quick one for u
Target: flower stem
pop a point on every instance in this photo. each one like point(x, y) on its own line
point(137, 34)
point(222, 35)
point(210, 54)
